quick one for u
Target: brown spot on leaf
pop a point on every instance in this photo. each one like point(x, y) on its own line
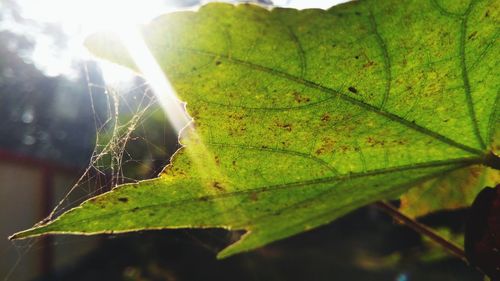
point(236, 116)
point(327, 146)
point(472, 35)
point(254, 196)
point(400, 142)
point(475, 172)
point(325, 117)
point(300, 99)
point(217, 185)
point(344, 148)
point(123, 199)
point(374, 142)
point(368, 64)
point(285, 126)
point(218, 62)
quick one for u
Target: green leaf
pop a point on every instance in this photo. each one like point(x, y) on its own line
point(455, 190)
point(303, 116)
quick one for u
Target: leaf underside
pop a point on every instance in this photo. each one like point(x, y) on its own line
point(303, 116)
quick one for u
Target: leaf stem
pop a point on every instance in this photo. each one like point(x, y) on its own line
point(422, 229)
point(492, 160)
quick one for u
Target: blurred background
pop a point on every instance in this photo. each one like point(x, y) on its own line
point(71, 128)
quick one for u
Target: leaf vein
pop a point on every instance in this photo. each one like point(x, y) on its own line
point(465, 77)
point(461, 162)
point(382, 112)
point(307, 201)
point(277, 150)
point(300, 50)
point(443, 11)
point(387, 61)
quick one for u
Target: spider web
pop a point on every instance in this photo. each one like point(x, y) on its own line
point(133, 141)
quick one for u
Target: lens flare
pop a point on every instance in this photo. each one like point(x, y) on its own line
point(152, 72)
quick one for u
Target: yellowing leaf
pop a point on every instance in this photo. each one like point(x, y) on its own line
point(452, 191)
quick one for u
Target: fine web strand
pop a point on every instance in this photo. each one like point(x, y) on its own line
point(113, 148)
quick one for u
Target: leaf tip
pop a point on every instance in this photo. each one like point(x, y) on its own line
point(109, 46)
point(35, 231)
point(22, 234)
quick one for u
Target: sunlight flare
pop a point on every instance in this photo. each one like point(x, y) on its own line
point(152, 72)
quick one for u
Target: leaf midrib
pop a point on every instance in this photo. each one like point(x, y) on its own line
point(367, 200)
point(460, 163)
point(382, 112)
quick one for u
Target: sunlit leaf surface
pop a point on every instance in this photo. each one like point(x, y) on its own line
point(303, 116)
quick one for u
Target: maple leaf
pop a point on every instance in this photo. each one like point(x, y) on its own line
point(303, 116)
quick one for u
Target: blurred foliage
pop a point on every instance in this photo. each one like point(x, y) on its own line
point(364, 245)
point(447, 193)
